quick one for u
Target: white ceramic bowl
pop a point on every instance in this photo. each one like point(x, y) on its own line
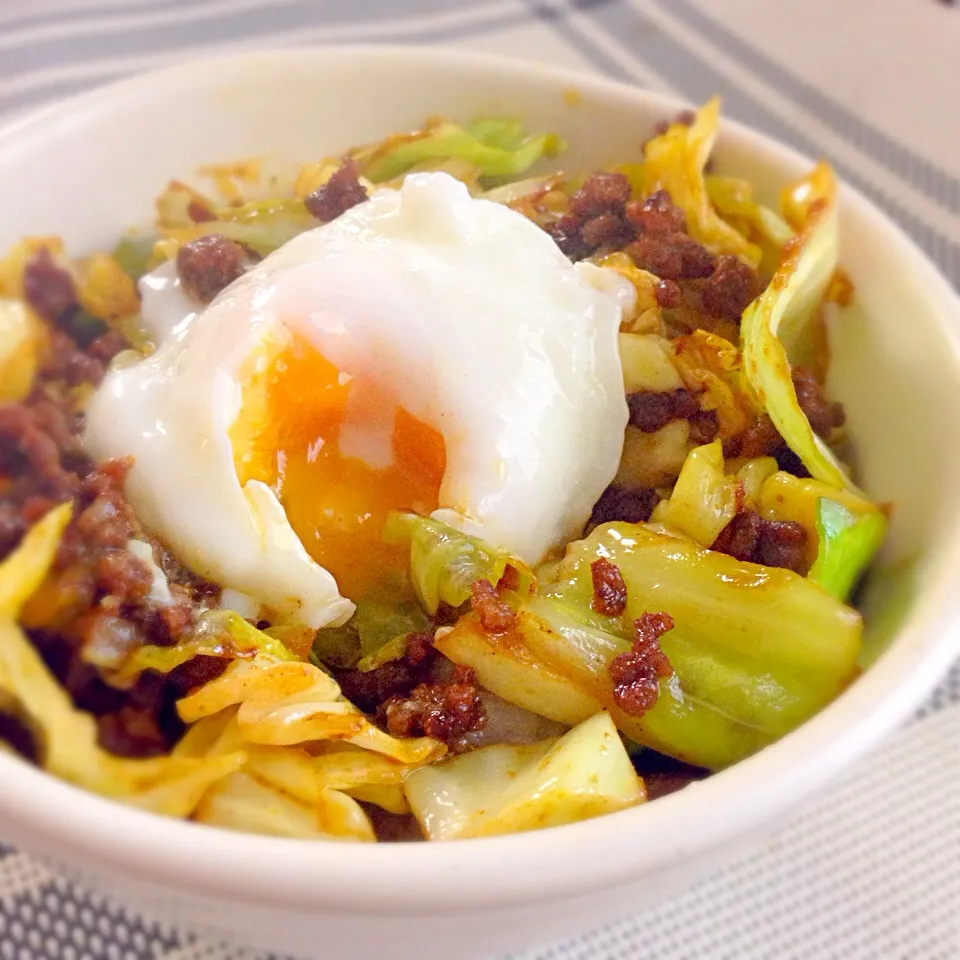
point(90, 167)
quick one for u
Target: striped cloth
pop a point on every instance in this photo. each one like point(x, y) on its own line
point(873, 89)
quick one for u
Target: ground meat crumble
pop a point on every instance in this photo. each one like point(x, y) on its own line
point(208, 265)
point(494, 614)
point(416, 696)
point(445, 710)
point(97, 597)
point(609, 589)
point(341, 192)
point(636, 675)
point(761, 438)
point(774, 543)
point(620, 504)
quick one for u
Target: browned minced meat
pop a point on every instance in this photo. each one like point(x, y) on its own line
point(619, 503)
point(48, 288)
point(823, 415)
point(444, 710)
point(650, 411)
point(210, 264)
point(761, 438)
point(704, 426)
point(597, 218)
point(655, 234)
point(774, 543)
point(509, 579)
point(731, 288)
point(601, 193)
point(101, 589)
point(494, 614)
point(657, 214)
point(414, 695)
point(668, 293)
point(368, 689)
point(341, 192)
point(609, 589)
point(663, 245)
point(636, 675)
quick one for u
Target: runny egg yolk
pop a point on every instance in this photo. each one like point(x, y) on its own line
point(294, 413)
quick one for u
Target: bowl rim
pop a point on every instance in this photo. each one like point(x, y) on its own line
point(497, 872)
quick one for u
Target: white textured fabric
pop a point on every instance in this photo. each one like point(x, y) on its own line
point(872, 870)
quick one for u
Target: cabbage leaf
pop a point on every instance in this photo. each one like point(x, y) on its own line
point(245, 802)
point(761, 646)
point(508, 789)
point(847, 545)
point(704, 499)
point(779, 315)
point(497, 148)
point(285, 703)
point(218, 633)
point(444, 562)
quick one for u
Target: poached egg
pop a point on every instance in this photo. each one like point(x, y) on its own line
point(425, 351)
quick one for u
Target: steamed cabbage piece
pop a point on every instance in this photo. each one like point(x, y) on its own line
point(778, 317)
point(444, 562)
point(704, 499)
point(848, 544)
point(508, 789)
point(495, 147)
point(755, 650)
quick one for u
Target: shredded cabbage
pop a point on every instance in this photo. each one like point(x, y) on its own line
point(710, 365)
point(675, 162)
point(647, 363)
point(506, 666)
point(444, 562)
point(245, 802)
point(753, 474)
point(509, 789)
point(68, 737)
point(646, 315)
point(282, 703)
point(704, 499)
point(497, 148)
point(734, 201)
point(847, 545)
point(219, 633)
point(376, 632)
point(653, 459)
point(517, 190)
point(779, 314)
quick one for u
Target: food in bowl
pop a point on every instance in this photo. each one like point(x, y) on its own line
point(429, 489)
